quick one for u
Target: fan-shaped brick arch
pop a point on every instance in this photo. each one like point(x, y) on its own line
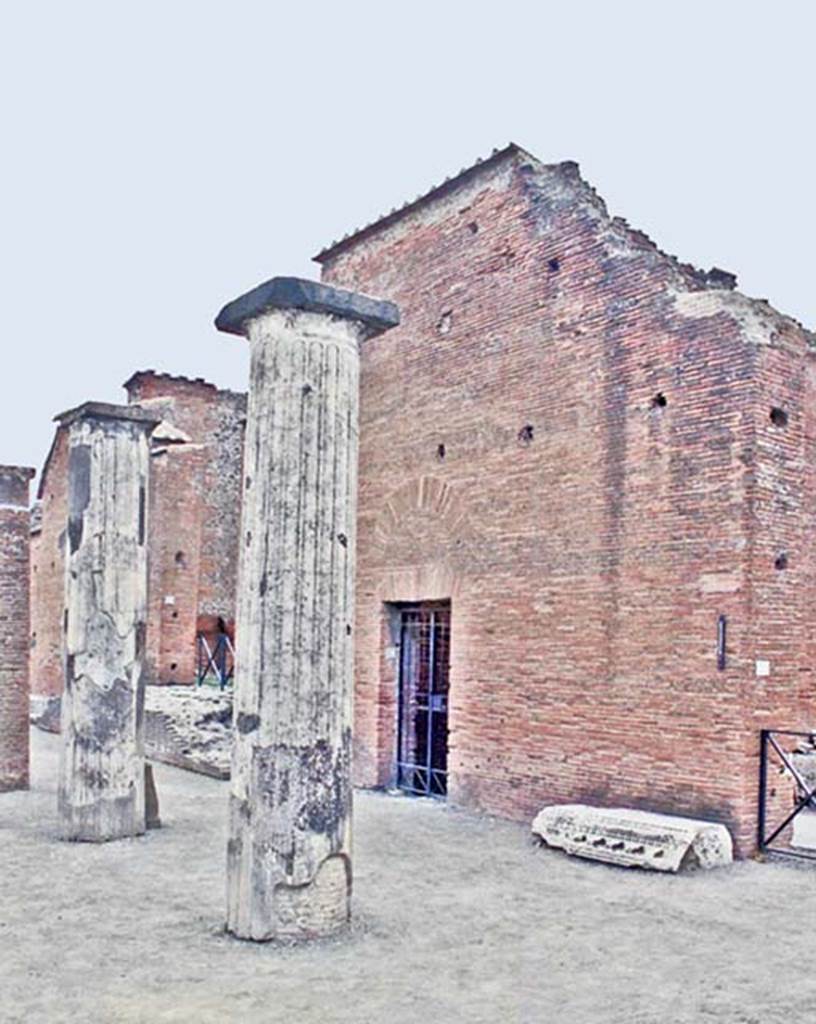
point(421, 520)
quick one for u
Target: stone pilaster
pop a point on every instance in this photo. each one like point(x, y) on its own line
point(15, 642)
point(289, 851)
point(101, 784)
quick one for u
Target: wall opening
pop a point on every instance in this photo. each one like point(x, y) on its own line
point(779, 417)
point(423, 684)
point(445, 322)
point(525, 435)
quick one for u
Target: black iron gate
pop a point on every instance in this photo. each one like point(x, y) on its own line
point(778, 758)
point(422, 743)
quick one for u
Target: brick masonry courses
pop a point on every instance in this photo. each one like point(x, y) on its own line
point(48, 571)
point(587, 560)
point(15, 530)
point(194, 524)
point(611, 482)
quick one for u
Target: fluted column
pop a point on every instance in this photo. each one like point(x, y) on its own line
point(15, 643)
point(289, 851)
point(101, 784)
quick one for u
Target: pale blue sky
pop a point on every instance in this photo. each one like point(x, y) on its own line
point(160, 158)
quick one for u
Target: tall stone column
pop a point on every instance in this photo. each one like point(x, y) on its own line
point(101, 784)
point(289, 851)
point(15, 641)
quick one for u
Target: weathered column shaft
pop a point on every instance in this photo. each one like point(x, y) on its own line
point(289, 853)
point(101, 785)
point(15, 642)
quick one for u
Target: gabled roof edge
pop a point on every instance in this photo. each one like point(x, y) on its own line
point(448, 185)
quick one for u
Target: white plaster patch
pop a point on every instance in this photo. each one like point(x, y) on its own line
point(757, 322)
point(719, 583)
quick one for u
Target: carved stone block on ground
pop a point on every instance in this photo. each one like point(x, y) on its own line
point(634, 838)
point(185, 726)
point(189, 727)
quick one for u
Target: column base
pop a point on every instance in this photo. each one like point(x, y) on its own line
point(320, 909)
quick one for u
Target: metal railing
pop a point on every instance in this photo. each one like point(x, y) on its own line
point(217, 661)
point(772, 754)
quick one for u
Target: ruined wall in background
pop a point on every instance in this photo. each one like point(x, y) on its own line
point(174, 528)
point(196, 516)
point(222, 522)
point(48, 571)
point(15, 541)
point(193, 528)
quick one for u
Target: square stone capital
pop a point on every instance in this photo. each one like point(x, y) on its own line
point(375, 315)
point(107, 411)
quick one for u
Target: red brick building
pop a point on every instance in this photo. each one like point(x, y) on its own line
point(581, 454)
point(580, 462)
point(15, 545)
point(193, 523)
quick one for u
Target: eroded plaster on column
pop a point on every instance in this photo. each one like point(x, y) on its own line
point(289, 851)
point(101, 785)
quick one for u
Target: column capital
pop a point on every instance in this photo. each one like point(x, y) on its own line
point(107, 411)
point(374, 315)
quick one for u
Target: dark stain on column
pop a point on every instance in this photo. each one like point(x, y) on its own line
point(142, 512)
point(69, 671)
point(79, 492)
point(247, 723)
point(140, 644)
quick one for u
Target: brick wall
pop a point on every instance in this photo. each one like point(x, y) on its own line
point(14, 626)
point(193, 528)
point(48, 571)
point(569, 437)
point(195, 517)
point(174, 530)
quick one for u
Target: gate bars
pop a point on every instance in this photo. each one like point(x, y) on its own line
point(219, 660)
point(805, 794)
point(423, 701)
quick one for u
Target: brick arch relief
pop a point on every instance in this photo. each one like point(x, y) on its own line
point(422, 540)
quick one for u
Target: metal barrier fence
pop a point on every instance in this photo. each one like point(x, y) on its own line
point(774, 755)
point(217, 661)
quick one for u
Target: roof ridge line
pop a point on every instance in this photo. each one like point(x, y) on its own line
point(447, 185)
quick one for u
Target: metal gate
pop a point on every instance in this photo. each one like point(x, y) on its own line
point(422, 743)
point(215, 662)
point(777, 761)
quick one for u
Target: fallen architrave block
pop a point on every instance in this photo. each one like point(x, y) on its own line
point(632, 838)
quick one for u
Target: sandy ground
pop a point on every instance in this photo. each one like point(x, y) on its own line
point(457, 919)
